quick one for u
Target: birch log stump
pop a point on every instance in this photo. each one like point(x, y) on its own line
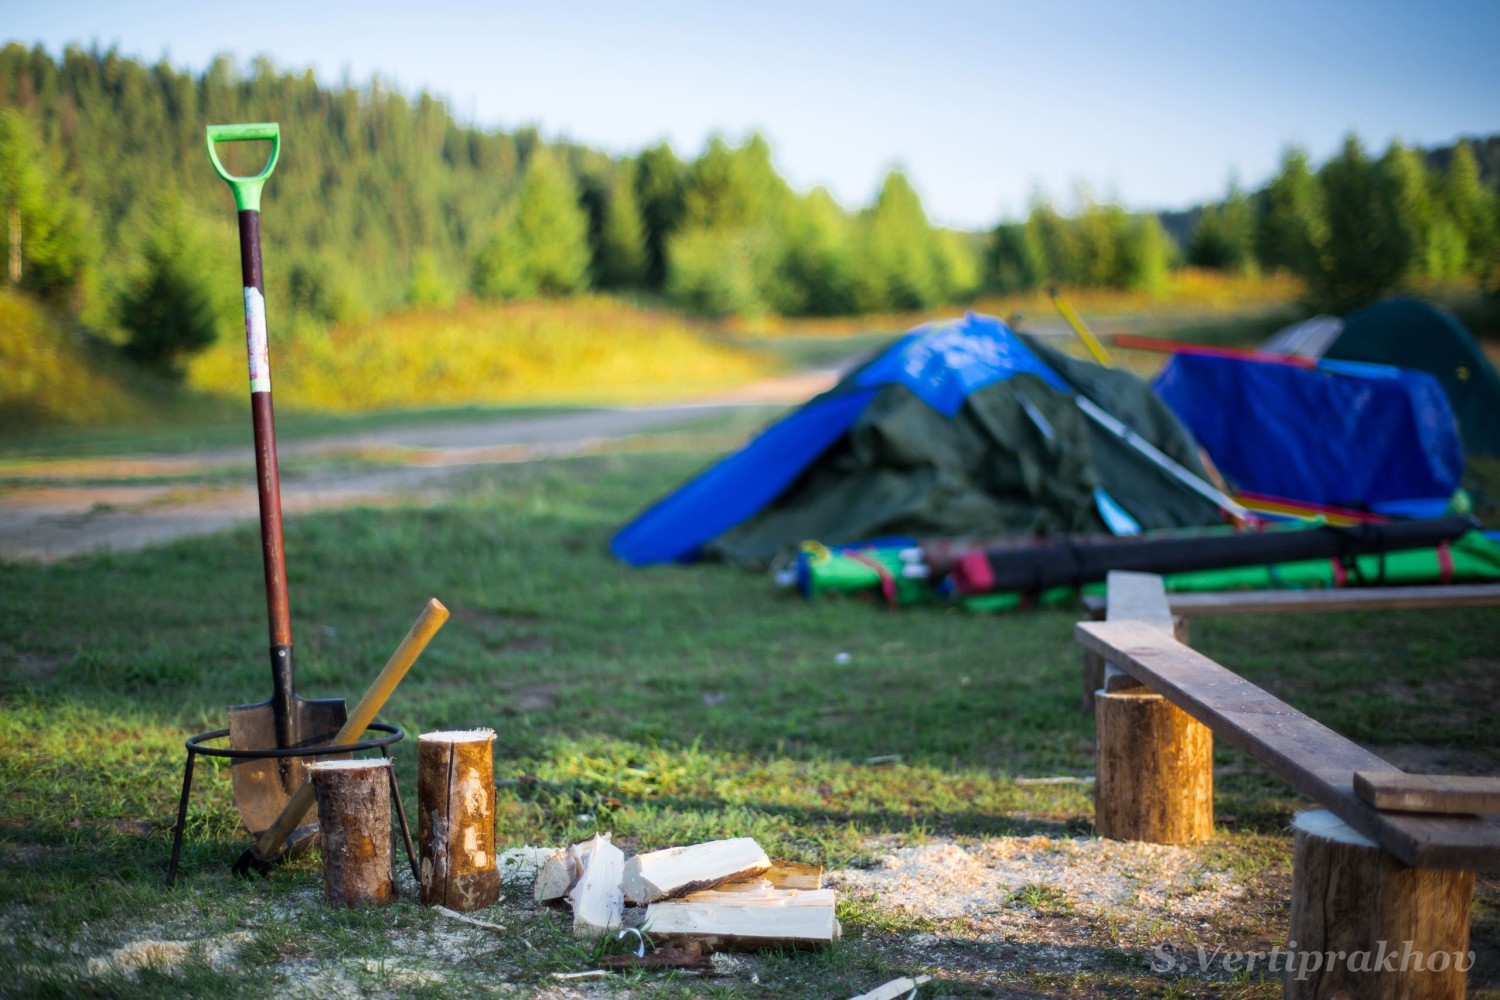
point(456, 819)
point(1365, 925)
point(354, 816)
point(1153, 768)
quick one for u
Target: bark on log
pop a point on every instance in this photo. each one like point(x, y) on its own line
point(456, 819)
point(1153, 768)
point(354, 816)
point(1365, 925)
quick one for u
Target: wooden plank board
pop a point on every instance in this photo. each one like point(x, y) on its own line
point(1137, 597)
point(1452, 794)
point(1317, 761)
point(1133, 597)
point(1291, 602)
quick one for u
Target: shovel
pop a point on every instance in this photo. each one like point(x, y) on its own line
point(262, 788)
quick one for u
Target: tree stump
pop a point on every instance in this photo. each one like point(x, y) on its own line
point(1366, 925)
point(354, 820)
point(1153, 770)
point(456, 819)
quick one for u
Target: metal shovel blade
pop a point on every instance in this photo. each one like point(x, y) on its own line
point(262, 787)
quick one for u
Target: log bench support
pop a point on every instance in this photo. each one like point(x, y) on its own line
point(1153, 763)
point(1153, 767)
point(1365, 925)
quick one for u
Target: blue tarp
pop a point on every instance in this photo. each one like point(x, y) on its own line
point(1360, 436)
point(942, 363)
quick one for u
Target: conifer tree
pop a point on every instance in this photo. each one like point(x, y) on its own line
point(659, 181)
point(1475, 213)
point(620, 260)
point(895, 264)
point(542, 248)
point(1292, 226)
point(168, 311)
point(42, 245)
point(1224, 237)
point(1010, 264)
point(1368, 247)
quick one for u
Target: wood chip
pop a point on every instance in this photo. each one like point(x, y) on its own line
point(895, 988)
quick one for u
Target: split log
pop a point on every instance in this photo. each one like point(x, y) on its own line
point(772, 917)
point(1153, 769)
point(456, 819)
point(1365, 925)
point(557, 876)
point(677, 871)
point(354, 815)
point(598, 903)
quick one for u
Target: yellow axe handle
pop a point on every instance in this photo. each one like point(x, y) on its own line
point(432, 618)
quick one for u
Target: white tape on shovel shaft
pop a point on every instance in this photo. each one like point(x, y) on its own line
point(255, 341)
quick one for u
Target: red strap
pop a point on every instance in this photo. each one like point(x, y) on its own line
point(1445, 563)
point(1340, 574)
point(887, 581)
point(973, 574)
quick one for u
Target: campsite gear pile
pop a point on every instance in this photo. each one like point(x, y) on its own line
point(957, 429)
point(965, 446)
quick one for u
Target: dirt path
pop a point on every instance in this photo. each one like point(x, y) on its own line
point(99, 505)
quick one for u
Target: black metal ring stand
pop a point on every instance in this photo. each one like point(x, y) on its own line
point(394, 734)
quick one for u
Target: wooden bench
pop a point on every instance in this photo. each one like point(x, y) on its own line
point(1275, 602)
point(1304, 602)
point(1363, 878)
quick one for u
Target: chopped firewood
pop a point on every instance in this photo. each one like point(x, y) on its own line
point(769, 917)
point(902, 987)
point(556, 876)
point(683, 955)
point(678, 871)
point(597, 902)
point(795, 875)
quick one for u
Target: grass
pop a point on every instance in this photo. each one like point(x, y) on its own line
point(667, 705)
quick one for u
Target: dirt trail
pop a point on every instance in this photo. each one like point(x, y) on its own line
point(56, 519)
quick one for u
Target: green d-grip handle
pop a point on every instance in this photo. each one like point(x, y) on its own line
point(246, 189)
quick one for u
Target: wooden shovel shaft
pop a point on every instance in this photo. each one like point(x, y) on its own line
point(426, 626)
point(263, 421)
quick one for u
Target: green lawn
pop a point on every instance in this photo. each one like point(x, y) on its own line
point(667, 705)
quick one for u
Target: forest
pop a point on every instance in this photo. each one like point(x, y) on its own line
point(383, 201)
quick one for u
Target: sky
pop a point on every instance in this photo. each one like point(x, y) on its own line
point(1156, 104)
